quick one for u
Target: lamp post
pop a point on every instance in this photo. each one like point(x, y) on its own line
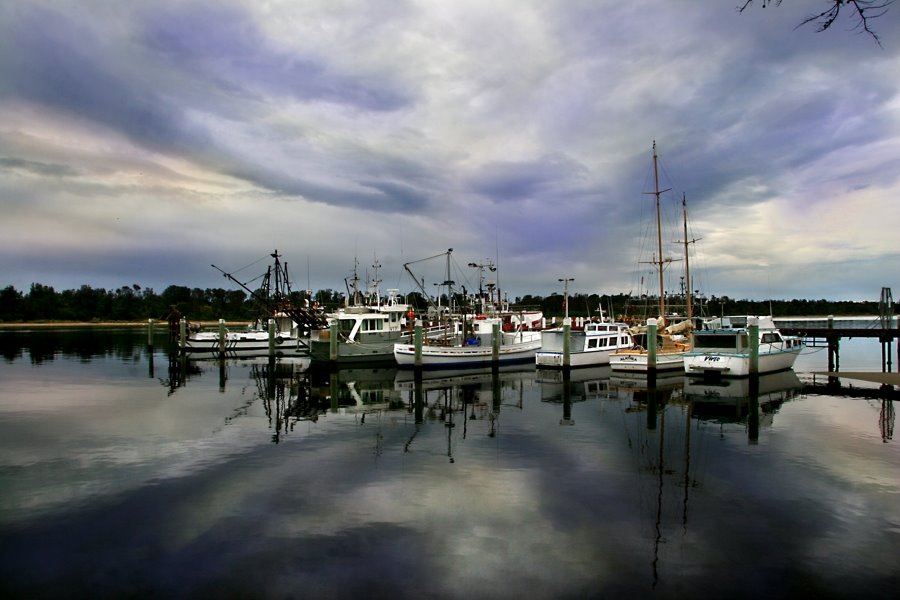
point(565, 281)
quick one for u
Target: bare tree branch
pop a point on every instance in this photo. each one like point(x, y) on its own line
point(864, 10)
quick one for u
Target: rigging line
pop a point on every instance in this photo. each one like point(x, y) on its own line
point(257, 261)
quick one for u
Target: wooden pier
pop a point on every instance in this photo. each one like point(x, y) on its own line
point(828, 332)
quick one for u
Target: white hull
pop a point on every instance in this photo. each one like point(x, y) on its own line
point(637, 362)
point(251, 343)
point(587, 358)
point(445, 357)
point(737, 364)
point(724, 348)
point(590, 347)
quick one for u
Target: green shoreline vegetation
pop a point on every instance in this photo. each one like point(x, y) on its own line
point(43, 306)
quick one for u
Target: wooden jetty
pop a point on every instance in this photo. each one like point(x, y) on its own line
point(828, 332)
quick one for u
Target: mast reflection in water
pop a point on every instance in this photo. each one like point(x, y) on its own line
point(126, 472)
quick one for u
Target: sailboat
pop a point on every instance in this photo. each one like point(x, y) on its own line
point(673, 340)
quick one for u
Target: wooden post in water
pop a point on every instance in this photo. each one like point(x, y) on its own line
point(333, 341)
point(652, 349)
point(271, 338)
point(418, 337)
point(495, 345)
point(182, 333)
point(651, 344)
point(150, 324)
point(221, 337)
point(150, 344)
point(567, 349)
point(834, 344)
point(753, 327)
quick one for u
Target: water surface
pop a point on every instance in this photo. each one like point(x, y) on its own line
point(125, 473)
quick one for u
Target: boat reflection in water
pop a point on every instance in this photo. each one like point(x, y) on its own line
point(737, 400)
point(463, 396)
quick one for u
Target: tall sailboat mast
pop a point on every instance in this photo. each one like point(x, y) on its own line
point(687, 263)
point(659, 256)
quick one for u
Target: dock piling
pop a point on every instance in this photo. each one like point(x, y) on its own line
point(753, 327)
point(495, 345)
point(150, 332)
point(418, 343)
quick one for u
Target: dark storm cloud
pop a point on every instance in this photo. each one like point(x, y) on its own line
point(509, 181)
point(55, 61)
point(62, 64)
point(38, 168)
point(232, 53)
point(238, 123)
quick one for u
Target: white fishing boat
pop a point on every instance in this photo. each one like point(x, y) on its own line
point(280, 329)
point(488, 341)
point(366, 330)
point(365, 333)
point(589, 346)
point(252, 340)
point(672, 338)
point(723, 347)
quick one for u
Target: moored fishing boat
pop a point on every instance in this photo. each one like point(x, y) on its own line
point(488, 341)
point(278, 330)
point(724, 347)
point(589, 346)
point(253, 340)
point(364, 333)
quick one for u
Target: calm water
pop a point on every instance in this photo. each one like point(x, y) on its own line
point(125, 474)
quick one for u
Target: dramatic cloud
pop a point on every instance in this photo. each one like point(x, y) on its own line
point(140, 142)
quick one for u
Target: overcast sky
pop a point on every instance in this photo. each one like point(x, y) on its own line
point(141, 142)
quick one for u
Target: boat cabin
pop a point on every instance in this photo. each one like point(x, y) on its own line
point(732, 334)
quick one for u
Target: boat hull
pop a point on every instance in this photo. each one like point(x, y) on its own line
point(587, 348)
point(737, 364)
point(587, 358)
point(372, 347)
point(638, 362)
point(241, 344)
point(449, 357)
point(355, 353)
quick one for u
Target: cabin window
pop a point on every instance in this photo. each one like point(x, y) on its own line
point(770, 338)
point(371, 325)
point(347, 325)
point(702, 341)
point(593, 343)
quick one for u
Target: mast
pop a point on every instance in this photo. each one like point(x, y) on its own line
point(687, 263)
point(659, 259)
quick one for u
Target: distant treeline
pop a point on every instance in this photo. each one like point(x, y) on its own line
point(133, 303)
